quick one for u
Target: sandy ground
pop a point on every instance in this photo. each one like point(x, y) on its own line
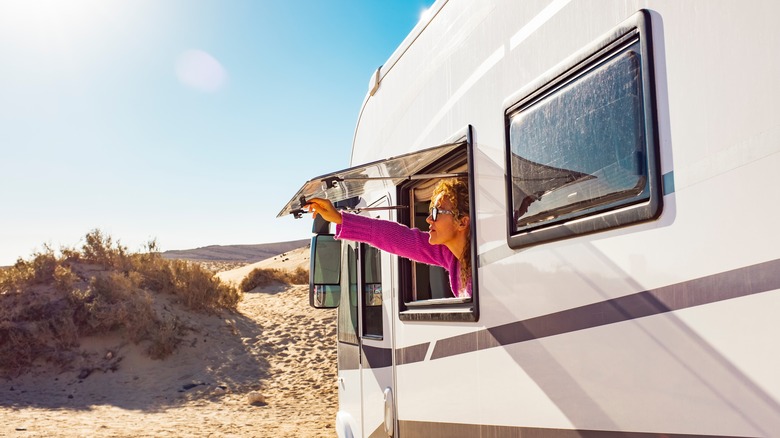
point(276, 350)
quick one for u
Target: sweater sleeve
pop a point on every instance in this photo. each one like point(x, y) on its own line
point(394, 238)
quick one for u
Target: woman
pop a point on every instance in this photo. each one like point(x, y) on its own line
point(446, 244)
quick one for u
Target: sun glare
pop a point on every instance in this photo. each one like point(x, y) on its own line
point(201, 71)
point(30, 21)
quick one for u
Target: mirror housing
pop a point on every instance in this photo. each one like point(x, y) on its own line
point(325, 272)
point(320, 226)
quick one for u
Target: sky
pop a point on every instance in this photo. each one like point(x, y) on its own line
point(187, 122)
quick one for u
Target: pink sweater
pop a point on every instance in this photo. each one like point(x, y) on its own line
point(401, 240)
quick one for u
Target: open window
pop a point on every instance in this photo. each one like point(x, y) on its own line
point(581, 146)
point(424, 292)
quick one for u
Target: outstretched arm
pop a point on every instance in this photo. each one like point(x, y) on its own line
point(386, 235)
point(394, 238)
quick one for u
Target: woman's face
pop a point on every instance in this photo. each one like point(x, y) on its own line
point(445, 228)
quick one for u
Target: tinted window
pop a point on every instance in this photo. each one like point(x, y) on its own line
point(372, 292)
point(580, 147)
point(347, 315)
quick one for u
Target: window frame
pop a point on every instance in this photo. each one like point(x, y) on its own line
point(439, 309)
point(347, 321)
point(618, 213)
point(365, 314)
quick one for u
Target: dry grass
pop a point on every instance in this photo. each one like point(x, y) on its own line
point(264, 277)
point(50, 300)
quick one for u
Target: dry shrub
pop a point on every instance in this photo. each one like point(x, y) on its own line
point(263, 277)
point(64, 278)
point(196, 286)
point(116, 302)
point(34, 325)
point(299, 276)
point(259, 277)
point(156, 273)
point(200, 289)
point(101, 250)
point(165, 340)
point(113, 302)
point(49, 301)
point(37, 270)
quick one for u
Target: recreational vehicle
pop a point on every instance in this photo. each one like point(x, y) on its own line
point(620, 157)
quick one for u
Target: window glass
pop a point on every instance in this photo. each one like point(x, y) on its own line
point(581, 148)
point(372, 291)
point(327, 260)
point(347, 314)
point(325, 286)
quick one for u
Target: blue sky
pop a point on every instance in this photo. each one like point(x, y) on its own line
point(189, 122)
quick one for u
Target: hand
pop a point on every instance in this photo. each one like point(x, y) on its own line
point(324, 208)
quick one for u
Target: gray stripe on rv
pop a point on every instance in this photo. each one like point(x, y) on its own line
point(740, 282)
point(762, 277)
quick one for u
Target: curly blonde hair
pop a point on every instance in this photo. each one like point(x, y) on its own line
point(457, 192)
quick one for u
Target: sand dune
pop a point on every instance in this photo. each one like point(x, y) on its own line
point(291, 260)
point(235, 253)
point(276, 348)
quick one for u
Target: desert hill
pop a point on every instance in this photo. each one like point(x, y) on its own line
point(235, 253)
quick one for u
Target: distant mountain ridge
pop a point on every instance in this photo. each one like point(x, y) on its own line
point(235, 253)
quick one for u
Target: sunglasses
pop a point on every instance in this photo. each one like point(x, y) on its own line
point(435, 212)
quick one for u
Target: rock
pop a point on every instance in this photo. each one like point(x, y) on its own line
point(255, 398)
point(189, 386)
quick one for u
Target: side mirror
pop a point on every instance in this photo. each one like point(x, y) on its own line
point(325, 272)
point(320, 225)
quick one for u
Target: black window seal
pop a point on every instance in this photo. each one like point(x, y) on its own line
point(638, 25)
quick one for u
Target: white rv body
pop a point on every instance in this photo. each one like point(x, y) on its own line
point(703, 367)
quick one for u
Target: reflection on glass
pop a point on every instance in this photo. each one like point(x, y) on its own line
point(371, 265)
point(581, 148)
point(353, 289)
point(327, 296)
point(372, 294)
point(327, 260)
point(372, 291)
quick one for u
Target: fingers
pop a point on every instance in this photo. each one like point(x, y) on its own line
point(324, 208)
point(319, 205)
point(311, 203)
point(312, 207)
